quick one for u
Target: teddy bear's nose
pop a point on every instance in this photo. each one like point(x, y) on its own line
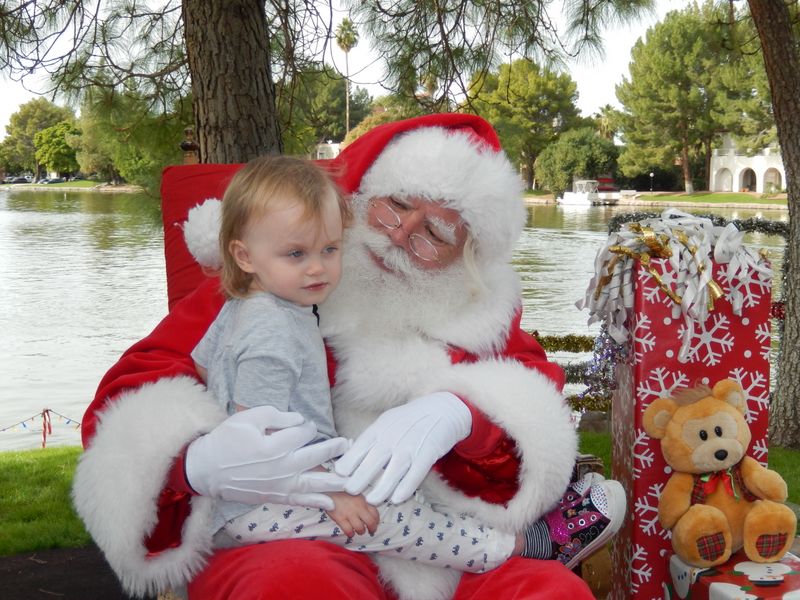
point(721, 454)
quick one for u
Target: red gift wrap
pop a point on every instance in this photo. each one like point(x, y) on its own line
point(724, 345)
point(737, 579)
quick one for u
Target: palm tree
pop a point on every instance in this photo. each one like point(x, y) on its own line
point(346, 39)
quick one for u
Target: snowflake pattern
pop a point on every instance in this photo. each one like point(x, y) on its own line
point(658, 383)
point(708, 344)
point(644, 454)
point(641, 568)
point(750, 287)
point(646, 509)
point(756, 388)
point(651, 291)
point(764, 337)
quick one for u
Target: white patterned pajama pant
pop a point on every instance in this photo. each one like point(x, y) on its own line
point(411, 530)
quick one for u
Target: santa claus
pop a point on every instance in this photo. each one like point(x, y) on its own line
point(431, 376)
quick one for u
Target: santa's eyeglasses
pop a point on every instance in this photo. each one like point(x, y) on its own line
point(421, 245)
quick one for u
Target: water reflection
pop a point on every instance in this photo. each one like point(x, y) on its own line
point(82, 278)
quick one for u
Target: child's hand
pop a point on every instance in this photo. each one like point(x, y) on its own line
point(353, 514)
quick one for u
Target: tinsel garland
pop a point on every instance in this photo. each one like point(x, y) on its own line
point(565, 343)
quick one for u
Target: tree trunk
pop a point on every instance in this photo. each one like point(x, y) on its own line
point(708, 152)
point(235, 114)
point(782, 64)
point(529, 173)
point(686, 169)
point(346, 95)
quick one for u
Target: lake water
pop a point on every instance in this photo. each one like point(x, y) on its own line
point(82, 278)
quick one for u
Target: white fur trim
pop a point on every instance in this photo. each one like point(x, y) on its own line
point(415, 581)
point(201, 232)
point(481, 325)
point(438, 164)
point(527, 405)
point(121, 474)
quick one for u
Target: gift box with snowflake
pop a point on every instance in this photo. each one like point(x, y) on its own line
point(691, 305)
point(737, 579)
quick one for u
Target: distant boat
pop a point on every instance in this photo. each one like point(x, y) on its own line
point(586, 194)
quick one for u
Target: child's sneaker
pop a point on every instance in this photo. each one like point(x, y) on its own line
point(591, 511)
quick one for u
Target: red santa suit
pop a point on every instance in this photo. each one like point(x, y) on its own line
point(391, 339)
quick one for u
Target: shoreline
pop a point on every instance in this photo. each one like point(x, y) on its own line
point(100, 187)
point(652, 201)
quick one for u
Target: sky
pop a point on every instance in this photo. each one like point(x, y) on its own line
point(595, 80)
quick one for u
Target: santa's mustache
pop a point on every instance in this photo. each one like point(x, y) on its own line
point(393, 257)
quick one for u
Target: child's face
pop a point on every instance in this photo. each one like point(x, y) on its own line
point(295, 259)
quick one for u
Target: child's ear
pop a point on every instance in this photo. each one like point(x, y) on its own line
point(241, 255)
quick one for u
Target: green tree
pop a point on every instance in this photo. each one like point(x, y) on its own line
point(385, 109)
point(231, 53)
point(529, 106)
point(671, 97)
point(745, 109)
point(777, 26)
point(607, 121)
point(577, 154)
point(346, 39)
point(127, 139)
point(7, 161)
point(94, 148)
point(318, 111)
point(32, 117)
point(53, 150)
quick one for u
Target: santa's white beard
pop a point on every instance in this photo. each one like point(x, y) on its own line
point(371, 300)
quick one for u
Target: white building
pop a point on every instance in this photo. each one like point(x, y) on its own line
point(327, 150)
point(734, 171)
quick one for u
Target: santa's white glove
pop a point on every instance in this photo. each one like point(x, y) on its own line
point(406, 440)
point(240, 462)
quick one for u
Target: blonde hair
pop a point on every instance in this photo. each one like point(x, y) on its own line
point(254, 189)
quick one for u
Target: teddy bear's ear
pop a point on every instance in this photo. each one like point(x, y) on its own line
point(731, 392)
point(657, 415)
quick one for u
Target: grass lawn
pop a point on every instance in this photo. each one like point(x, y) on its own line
point(36, 506)
point(698, 197)
point(83, 183)
point(37, 510)
point(713, 198)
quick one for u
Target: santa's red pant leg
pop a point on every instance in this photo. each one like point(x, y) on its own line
point(305, 570)
point(297, 569)
point(524, 579)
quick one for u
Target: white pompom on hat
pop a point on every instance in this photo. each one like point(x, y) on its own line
point(201, 233)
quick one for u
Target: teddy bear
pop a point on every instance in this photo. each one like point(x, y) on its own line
point(717, 499)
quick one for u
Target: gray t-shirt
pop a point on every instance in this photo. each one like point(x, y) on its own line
point(263, 350)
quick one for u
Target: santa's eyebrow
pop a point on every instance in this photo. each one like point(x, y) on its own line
point(443, 229)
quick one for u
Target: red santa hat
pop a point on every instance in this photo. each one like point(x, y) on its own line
point(455, 158)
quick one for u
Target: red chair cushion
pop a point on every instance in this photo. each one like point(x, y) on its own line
point(183, 187)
